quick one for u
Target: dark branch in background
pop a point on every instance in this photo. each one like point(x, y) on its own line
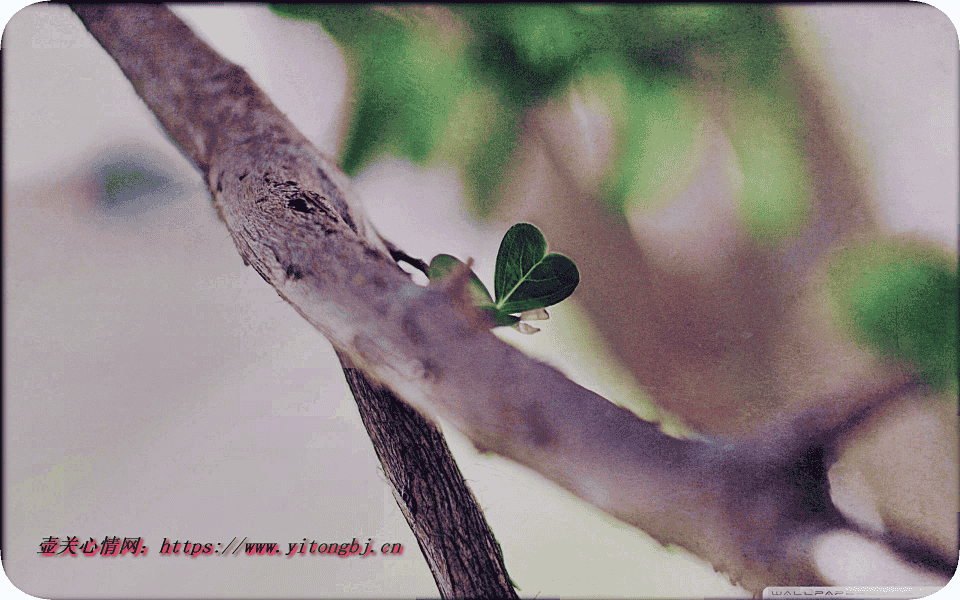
point(294, 218)
point(431, 493)
point(465, 559)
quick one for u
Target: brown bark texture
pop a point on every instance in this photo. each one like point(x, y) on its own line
point(155, 49)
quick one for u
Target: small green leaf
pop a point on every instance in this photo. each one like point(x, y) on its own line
point(527, 278)
point(523, 246)
point(444, 264)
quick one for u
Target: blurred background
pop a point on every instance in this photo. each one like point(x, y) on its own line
point(762, 204)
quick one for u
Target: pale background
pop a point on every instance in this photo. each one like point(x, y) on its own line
point(155, 387)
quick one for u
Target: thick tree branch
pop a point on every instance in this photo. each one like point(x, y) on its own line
point(453, 535)
point(294, 218)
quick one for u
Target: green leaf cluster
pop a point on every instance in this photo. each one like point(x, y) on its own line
point(456, 93)
point(526, 278)
point(901, 300)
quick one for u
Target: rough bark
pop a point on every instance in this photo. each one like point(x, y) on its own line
point(754, 509)
point(453, 535)
point(208, 105)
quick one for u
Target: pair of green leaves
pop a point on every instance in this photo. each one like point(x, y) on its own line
point(526, 278)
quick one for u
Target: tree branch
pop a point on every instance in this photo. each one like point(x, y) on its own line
point(294, 218)
point(461, 551)
point(454, 537)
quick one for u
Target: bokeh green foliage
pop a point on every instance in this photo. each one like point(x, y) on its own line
point(453, 84)
point(900, 300)
point(456, 92)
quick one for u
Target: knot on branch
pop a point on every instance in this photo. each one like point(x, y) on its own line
point(300, 200)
